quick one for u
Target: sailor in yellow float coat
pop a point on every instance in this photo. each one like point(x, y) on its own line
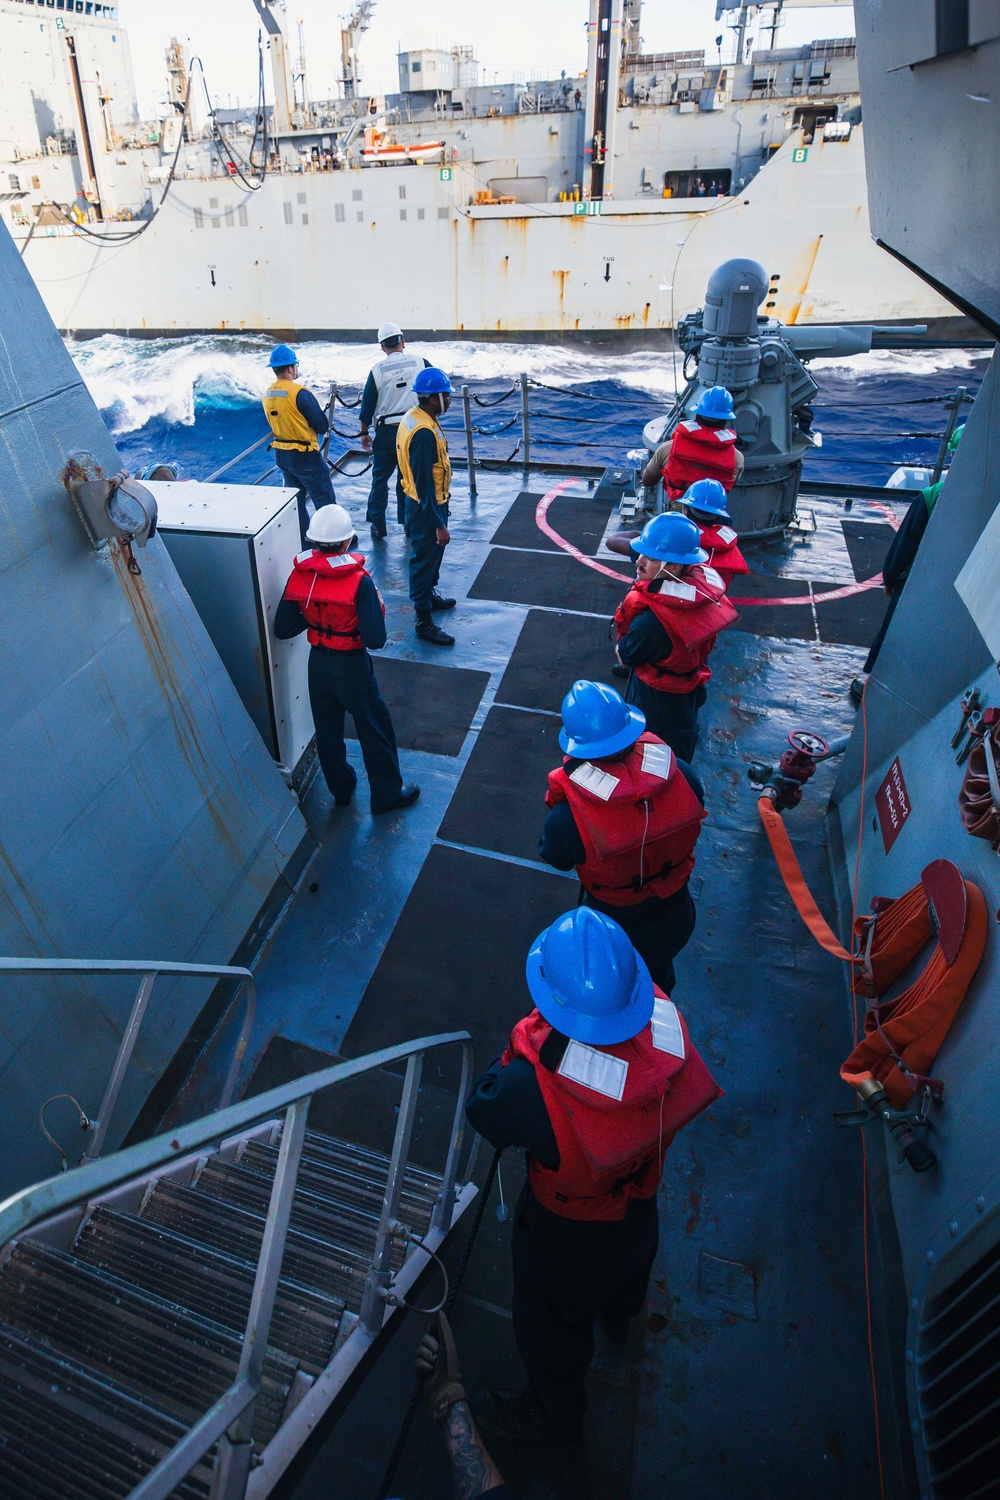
point(298, 422)
point(425, 470)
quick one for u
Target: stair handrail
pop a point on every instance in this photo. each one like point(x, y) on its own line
point(98, 1126)
point(229, 1421)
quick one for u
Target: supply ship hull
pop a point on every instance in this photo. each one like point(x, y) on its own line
point(587, 207)
point(324, 254)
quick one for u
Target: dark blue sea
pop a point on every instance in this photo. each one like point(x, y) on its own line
point(196, 401)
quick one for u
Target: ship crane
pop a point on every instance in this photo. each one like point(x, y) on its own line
point(354, 26)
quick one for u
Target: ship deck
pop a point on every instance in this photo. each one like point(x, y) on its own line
point(749, 1373)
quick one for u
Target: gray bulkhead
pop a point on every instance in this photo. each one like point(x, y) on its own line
point(140, 814)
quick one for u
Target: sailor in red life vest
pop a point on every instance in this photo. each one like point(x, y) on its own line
point(705, 504)
point(667, 624)
point(700, 447)
point(594, 1085)
point(627, 814)
point(330, 595)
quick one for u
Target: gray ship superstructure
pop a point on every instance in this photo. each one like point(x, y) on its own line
point(588, 205)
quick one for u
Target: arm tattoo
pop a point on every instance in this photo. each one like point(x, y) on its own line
point(473, 1471)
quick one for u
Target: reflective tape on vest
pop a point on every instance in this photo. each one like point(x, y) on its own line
point(595, 1070)
point(668, 1034)
point(657, 760)
point(601, 783)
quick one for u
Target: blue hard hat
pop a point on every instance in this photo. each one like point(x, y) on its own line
point(431, 382)
point(707, 495)
point(282, 356)
point(670, 538)
point(717, 404)
point(161, 463)
point(597, 721)
point(588, 981)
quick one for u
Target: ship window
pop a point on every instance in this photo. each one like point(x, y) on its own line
point(213, 202)
point(288, 212)
point(698, 182)
point(356, 195)
point(415, 67)
point(402, 213)
point(442, 213)
point(958, 1346)
point(199, 219)
point(402, 191)
point(420, 213)
point(305, 218)
point(338, 213)
point(361, 216)
point(241, 214)
point(216, 223)
point(301, 197)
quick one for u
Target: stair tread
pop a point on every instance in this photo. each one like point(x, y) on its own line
point(209, 1283)
point(165, 1354)
point(336, 1269)
point(102, 1439)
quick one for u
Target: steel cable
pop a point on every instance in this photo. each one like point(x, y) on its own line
point(463, 1265)
point(479, 400)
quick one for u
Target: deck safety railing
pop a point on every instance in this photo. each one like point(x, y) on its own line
point(229, 1421)
point(98, 1127)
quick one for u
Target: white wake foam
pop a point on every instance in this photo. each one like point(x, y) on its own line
point(135, 381)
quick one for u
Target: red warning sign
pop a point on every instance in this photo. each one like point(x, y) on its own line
point(892, 802)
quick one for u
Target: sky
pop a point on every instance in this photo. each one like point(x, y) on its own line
point(520, 38)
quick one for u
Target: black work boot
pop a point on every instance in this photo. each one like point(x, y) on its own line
point(509, 1416)
point(440, 601)
point(408, 794)
point(428, 631)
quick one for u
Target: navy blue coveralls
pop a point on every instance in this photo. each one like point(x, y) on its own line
point(344, 682)
point(309, 472)
point(567, 1272)
point(659, 927)
point(422, 520)
point(383, 460)
point(672, 716)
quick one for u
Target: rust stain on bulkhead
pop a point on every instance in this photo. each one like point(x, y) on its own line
point(158, 649)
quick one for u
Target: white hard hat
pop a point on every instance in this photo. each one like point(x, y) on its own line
point(389, 331)
point(330, 524)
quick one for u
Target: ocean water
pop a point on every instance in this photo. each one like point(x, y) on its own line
point(196, 401)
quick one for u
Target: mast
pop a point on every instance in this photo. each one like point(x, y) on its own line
point(353, 26)
point(272, 13)
point(604, 64)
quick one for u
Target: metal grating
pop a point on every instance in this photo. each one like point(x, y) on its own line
point(958, 1382)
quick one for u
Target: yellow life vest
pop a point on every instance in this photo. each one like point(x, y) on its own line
point(290, 428)
point(414, 420)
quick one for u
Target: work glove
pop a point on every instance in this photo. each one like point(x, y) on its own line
point(437, 1366)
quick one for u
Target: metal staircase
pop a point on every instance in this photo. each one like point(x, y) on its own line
point(176, 1318)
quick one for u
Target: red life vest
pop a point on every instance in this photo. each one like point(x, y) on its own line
point(723, 551)
point(638, 818)
point(692, 610)
point(325, 587)
point(614, 1111)
point(698, 452)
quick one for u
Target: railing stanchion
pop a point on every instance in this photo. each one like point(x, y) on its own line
point(467, 409)
point(125, 1049)
point(236, 1447)
point(525, 423)
point(955, 411)
point(380, 1274)
point(445, 1204)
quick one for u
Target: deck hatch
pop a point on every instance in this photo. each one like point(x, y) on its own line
point(958, 1379)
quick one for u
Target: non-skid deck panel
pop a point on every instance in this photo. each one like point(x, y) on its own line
point(580, 519)
point(362, 1109)
point(456, 957)
point(853, 621)
point(432, 707)
point(791, 621)
point(867, 543)
point(559, 582)
point(552, 651)
point(499, 802)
